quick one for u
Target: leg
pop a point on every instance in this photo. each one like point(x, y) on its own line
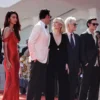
point(33, 83)
point(63, 85)
point(73, 85)
point(50, 84)
point(36, 81)
point(94, 86)
point(85, 83)
point(42, 81)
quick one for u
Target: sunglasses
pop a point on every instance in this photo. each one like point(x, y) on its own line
point(74, 24)
point(95, 24)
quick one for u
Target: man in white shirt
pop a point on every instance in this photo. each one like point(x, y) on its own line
point(38, 48)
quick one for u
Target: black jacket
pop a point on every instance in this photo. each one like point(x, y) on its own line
point(89, 49)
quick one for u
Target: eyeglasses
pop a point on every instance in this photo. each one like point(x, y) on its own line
point(74, 24)
point(95, 24)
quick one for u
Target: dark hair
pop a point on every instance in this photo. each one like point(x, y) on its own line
point(90, 20)
point(98, 32)
point(43, 13)
point(17, 26)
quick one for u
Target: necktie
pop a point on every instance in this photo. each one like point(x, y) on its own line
point(72, 41)
point(46, 26)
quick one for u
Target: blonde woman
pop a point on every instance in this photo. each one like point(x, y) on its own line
point(58, 66)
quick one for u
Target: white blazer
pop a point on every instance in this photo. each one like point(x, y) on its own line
point(38, 43)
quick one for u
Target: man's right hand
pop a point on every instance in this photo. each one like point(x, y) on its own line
point(35, 60)
point(86, 64)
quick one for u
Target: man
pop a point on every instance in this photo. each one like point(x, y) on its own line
point(89, 58)
point(38, 48)
point(73, 54)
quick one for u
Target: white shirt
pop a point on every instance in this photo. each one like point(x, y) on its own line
point(69, 37)
point(38, 43)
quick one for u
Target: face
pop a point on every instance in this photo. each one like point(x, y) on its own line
point(72, 26)
point(93, 25)
point(13, 19)
point(47, 19)
point(57, 26)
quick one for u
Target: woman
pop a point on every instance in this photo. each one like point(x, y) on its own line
point(11, 61)
point(58, 66)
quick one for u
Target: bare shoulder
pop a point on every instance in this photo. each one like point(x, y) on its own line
point(6, 32)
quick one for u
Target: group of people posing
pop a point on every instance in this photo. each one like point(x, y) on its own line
point(61, 53)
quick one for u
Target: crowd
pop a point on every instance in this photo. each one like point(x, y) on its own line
point(59, 63)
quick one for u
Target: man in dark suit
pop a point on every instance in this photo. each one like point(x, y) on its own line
point(89, 58)
point(73, 55)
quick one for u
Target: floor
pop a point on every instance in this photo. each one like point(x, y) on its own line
point(22, 97)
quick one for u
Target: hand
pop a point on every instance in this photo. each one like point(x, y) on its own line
point(86, 64)
point(79, 71)
point(99, 49)
point(8, 65)
point(35, 60)
point(67, 68)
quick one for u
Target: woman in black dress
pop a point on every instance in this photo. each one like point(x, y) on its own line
point(58, 66)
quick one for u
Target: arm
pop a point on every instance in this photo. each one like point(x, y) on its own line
point(32, 40)
point(6, 35)
point(66, 53)
point(83, 55)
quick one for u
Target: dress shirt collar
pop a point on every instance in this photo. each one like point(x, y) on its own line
point(42, 23)
point(68, 33)
point(89, 31)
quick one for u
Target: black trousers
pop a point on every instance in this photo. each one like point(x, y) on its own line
point(63, 82)
point(90, 83)
point(37, 80)
point(73, 79)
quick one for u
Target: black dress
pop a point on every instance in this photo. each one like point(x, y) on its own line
point(58, 58)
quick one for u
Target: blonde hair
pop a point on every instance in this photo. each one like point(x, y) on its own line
point(59, 20)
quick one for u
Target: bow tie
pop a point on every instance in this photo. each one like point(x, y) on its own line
point(46, 26)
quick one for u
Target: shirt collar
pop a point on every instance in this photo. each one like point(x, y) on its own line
point(68, 33)
point(89, 31)
point(42, 23)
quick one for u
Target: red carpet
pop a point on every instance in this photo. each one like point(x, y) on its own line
point(22, 97)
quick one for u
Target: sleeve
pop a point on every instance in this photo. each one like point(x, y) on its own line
point(83, 55)
point(6, 34)
point(66, 50)
point(32, 40)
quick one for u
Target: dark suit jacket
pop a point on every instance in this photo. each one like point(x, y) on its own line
point(74, 55)
point(89, 49)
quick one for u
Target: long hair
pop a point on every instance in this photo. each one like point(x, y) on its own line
point(16, 27)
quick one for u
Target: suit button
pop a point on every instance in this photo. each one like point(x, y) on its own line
point(57, 48)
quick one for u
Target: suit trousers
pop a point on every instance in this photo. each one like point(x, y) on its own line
point(37, 80)
point(90, 83)
point(73, 79)
point(63, 82)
